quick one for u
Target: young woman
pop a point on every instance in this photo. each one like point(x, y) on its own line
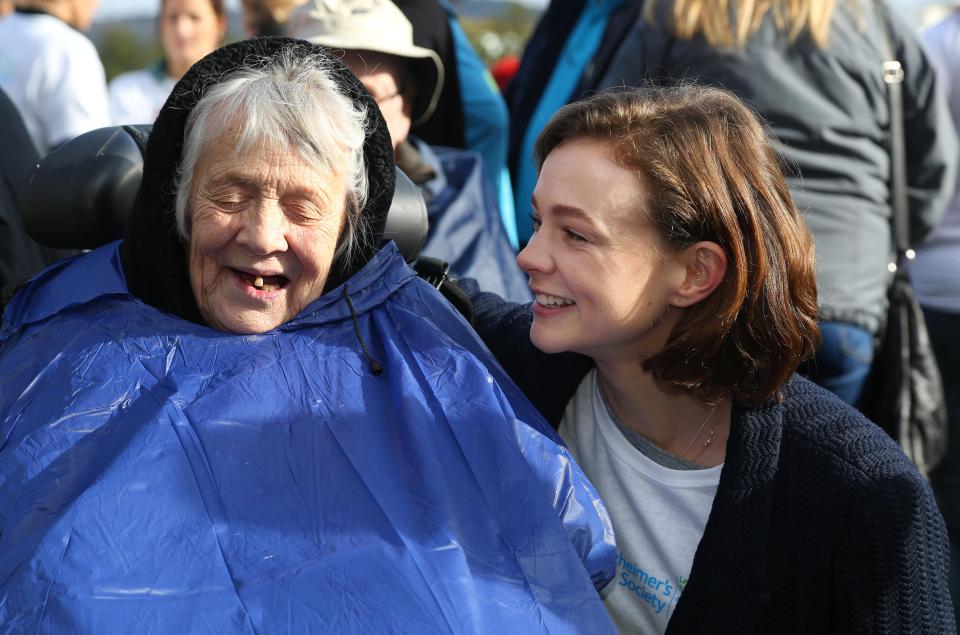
point(669, 257)
point(189, 30)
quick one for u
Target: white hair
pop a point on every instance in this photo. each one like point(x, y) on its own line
point(290, 102)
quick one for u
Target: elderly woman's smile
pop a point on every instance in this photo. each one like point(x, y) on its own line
point(263, 230)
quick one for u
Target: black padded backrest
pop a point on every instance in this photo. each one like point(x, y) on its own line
point(407, 220)
point(81, 194)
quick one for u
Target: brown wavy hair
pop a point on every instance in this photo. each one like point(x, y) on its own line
point(712, 174)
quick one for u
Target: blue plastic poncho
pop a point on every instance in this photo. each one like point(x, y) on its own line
point(159, 476)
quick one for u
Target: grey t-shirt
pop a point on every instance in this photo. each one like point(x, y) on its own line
point(658, 513)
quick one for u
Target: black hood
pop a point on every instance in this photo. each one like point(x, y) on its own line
point(153, 255)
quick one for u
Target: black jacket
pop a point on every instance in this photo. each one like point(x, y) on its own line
point(828, 111)
point(431, 30)
point(20, 256)
point(540, 56)
point(820, 523)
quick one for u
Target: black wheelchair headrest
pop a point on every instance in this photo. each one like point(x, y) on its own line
point(81, 194)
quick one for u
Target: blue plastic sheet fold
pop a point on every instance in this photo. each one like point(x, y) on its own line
point(157, 476)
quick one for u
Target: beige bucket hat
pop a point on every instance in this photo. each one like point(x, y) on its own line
point(371, 25)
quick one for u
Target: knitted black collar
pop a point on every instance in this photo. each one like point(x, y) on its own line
point(153, 256)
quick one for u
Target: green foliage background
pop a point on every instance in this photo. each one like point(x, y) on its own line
point(122, 50)
point(511, 28)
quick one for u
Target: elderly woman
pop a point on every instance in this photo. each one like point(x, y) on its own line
point(247, 418)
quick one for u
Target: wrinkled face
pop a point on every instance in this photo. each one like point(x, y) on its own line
point(189, 29)
point(381, 75)
point(602, 277)
point(264, 228)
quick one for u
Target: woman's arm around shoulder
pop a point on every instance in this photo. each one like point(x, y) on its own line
point(548, 380)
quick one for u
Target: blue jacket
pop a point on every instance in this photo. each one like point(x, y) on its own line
point(465, 228)
point(157, 475)
point(540, 56)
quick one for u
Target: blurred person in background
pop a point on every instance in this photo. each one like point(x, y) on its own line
point(470, 111)
point(937, 285)
point(812, 69)
point(6, 7)
point(51, 71)
point(20, 256)
point(264, 18)
point(406, 80)
point(189, 29)
point(563, 61)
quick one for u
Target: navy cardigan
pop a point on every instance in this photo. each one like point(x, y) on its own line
point(820, 523)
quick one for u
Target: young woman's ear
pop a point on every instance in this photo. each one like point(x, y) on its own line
point(705, 265)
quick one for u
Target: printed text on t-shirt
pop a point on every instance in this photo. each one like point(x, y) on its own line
point(660, 592)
